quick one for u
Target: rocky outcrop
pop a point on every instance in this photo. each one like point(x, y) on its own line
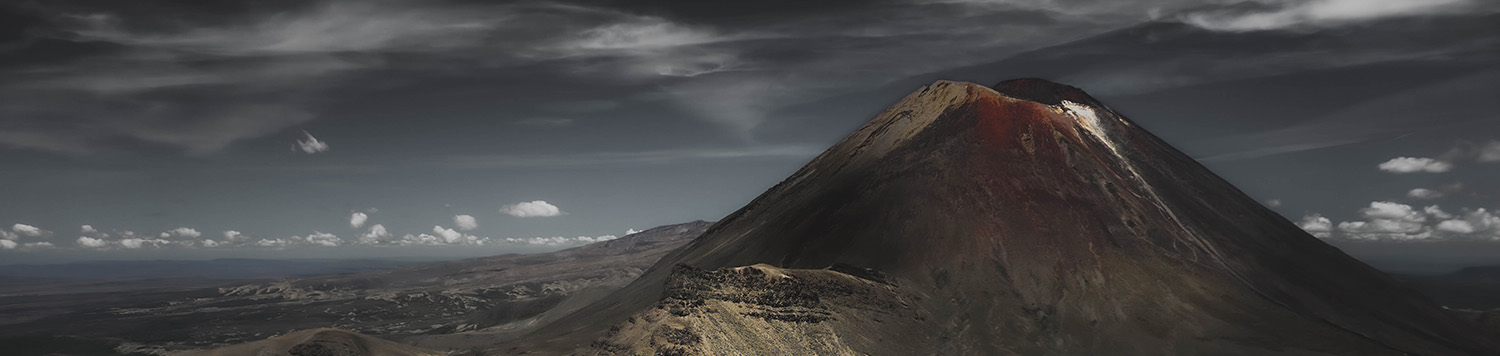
point(762, 310)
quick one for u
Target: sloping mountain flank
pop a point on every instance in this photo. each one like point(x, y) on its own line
point(1024, 219)
point(318, 342)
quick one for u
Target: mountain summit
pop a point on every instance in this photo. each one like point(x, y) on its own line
point(1024, 219)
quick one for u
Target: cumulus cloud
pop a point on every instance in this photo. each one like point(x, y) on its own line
point(1389, 210)
point(631, 231)
point(136, 243)
point(232, 235)
point(27, 230)
point(420, 239)
point(310, 145)
point(1474, 224)
point(1400, 222)
point(1489, 153)
point(1317, 225)
point(449, 236)
point(443, 236)
point(88, 229)
point(1273, 203)
point(1436, 212)
point(42, 244)
point(7, 244)
point(1388, 220)
point(182, 232)
point(1463, 151)
point(90, 242)
point(1424, 193)
point(276, 242)
point(586, 239)
point(560, 241)
point(357, 219)
point(1279, 14)
point(1415, 165)
point(1456, 226)
point(375, 235)
point(465, 222)
point(535, 208)
point(322, 239)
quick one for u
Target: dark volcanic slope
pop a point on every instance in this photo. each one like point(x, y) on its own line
point(1033, 220)
point(318, 342)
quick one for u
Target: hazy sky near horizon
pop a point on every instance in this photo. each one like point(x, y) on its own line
point(192, 129)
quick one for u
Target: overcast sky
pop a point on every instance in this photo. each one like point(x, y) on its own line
point(199, 129)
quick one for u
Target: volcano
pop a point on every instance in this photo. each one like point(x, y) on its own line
point(1023, 219)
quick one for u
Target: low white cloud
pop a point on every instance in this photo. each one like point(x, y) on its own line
point(90, 242)
point(211, 243)
point(465, 222)
point(1388, 220)
point(586, 239)
point(631, 231)
point(1400, 222)
point(310, 145)
point(1389, 210)
point(27, 230)
point(1302, 13)
point(1436, 212)
point(1489, 152)
point(449, 236)
point(1317, 225)
point(560, 241)
point(232, 235)
point(1456, 226)
point(420, 239)
point(375, 235)
point(357, 220)
point(7, 244)
point(136, 243)
point(1424, 193)
point(323, 239)
point(1273, 203)
point(1415, 165)
point(1473, 224)
point(443, 236)
point(42, 244)
point(182, 232)
point(87, 229)
point(535, 208)
point(276, 242)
